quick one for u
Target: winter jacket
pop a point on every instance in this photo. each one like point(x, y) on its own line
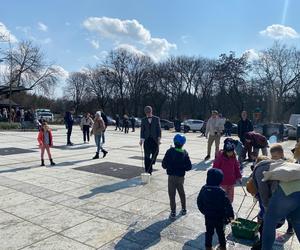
point(69, 121)
point(257, 140)
point(86, 122)
point(41, 137)
point(244, 126)
point(214, 126)
point(176, 162)
point(228, 125)
point(264, 188)
point(98, 127)
point(213, 202)
point(230, 167)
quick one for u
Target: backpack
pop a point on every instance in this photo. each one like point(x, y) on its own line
point(250, 186)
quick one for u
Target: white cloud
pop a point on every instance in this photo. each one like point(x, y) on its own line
point(252, 54)
point(278, 31)
point(130, 48)
point(129, 32)
point(95, 43)
point(62, 73)
point(42, 26)
point(6, 35)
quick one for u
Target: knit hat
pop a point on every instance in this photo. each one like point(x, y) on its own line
point(214, 177)
point(98, 113)
point(228, 146)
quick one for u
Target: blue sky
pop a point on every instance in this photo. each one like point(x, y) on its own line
point(74, 34)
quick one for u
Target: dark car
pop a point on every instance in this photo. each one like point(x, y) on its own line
point(166, 124)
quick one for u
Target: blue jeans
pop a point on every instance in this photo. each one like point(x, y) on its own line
point(98, 142)
point(280, 206)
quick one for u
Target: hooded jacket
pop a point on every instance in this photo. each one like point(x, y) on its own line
point(176, 162)
point(229, 166)
point(257, 140)
point(212, 200)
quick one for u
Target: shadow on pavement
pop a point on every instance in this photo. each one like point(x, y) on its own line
point(70, 163)
point(202, 165)
point(145, 238)
point(198, 243)
point(112, 187)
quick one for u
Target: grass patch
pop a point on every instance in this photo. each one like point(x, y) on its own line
point(8, 126)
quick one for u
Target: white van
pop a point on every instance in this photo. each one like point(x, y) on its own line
point(294, 119)
point(44, 114)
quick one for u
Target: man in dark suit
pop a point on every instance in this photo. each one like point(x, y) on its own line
point(69, 121)
point(104, 117)
point(150, 137)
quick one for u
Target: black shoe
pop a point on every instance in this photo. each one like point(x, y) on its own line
point(96, 156)
point(207, 157)
point(42, 163)
point(172, 216)
point(104, 152)
point(52, 163)
point(70, 144)
point(183, 212)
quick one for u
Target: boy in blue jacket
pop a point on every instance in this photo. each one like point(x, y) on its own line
point(177, 162)
point(213, 202)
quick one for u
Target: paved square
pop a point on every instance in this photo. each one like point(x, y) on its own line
point(84, 204)
point(14, 151)
point(122, 171)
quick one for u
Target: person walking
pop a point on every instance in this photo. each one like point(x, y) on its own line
point(117, 122)
point(150, 138)
point(85, 124)
point(97, 130)
point(104, 118)
point(45, 141)
point(177, 161)
point(132, 120)
point(213, 133)
point(69, 121)
point(126, 124)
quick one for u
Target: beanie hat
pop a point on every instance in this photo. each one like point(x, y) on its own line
point(179, 140)
point(228, 146)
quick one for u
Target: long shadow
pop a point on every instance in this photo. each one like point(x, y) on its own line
point(74, 147)
point(70, 163)
point(13, 170)
point(202, 165)
point(145, 238)
point(112, 187)
point(198, 243)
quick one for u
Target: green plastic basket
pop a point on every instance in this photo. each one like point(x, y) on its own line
point(245, 229)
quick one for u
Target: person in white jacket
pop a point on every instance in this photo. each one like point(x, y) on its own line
point(213, 132)
point(85, 124)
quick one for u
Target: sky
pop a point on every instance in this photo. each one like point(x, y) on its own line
point(75, 34)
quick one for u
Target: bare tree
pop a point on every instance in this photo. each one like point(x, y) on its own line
point(278, 74)
point(76, 88)
point(29, 68)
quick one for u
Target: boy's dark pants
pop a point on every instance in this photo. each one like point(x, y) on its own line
point(176, 183)
point(151, 151)
point(211, 225)
point(86, 132)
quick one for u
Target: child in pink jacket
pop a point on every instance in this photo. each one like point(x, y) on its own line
point(227, 162)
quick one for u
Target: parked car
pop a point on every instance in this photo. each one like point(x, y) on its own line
point(294, 120)
point(44, 114)
point(234, 129)
point(192, 125)
point(292, 131)
point(138, 122)
point(110, 121)
point(166, 124)
point(273, 129)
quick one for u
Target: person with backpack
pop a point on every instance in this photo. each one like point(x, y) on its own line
point(45, 141)
point(227, 128)
point(216, 207)
point(227, 162)
point(177, 161)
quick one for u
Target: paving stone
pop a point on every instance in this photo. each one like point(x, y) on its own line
point(14, 199)
point(58, 242)
point(96, 232)
point(22, 234)
point(7, 219)
point(61, 219)
point(32, 208)
point(144, 207)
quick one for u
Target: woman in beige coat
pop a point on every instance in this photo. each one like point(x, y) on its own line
point(97, 130)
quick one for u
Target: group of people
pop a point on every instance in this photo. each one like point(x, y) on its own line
point(125, 123)
point(16, 115)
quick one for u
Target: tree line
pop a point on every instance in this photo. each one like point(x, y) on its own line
point(180, 86)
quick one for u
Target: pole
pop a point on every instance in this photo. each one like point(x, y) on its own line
point(10, 80)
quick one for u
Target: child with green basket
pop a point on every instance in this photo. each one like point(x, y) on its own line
point(213, 202)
